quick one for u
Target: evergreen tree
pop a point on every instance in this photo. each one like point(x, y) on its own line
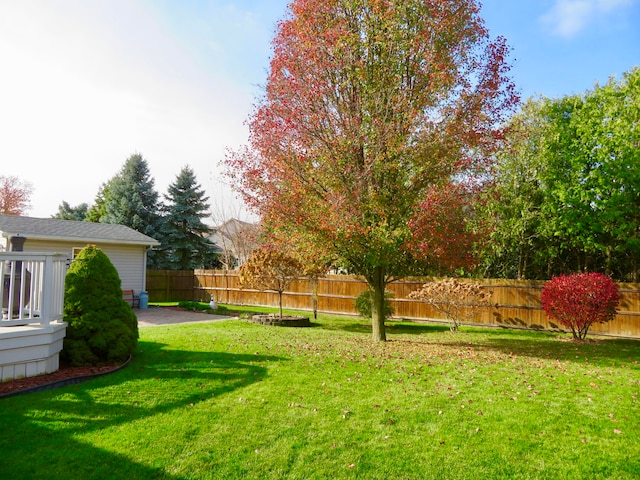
point(184, 245)
point(67, 212)
point(130, 199)
point(97, 210)
point(102, 326)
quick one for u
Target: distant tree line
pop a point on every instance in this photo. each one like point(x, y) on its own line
point(565, 193)
point(563, 196)
point(129, 198)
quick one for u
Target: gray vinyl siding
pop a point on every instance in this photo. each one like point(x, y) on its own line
point(129, 260)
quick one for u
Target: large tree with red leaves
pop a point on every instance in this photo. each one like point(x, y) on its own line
point(370, 106)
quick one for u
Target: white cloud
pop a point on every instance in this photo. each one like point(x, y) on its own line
point(568, 18)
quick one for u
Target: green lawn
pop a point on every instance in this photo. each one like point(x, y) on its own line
point(236, 400)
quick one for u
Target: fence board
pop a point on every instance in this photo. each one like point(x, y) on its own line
point(514, 303)
point(170, 285)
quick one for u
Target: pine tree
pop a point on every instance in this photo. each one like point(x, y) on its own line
point(130, 199)
point(97, 210)
point(184, 244)
point(67, 212)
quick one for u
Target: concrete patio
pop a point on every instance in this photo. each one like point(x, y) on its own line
point(158, 316)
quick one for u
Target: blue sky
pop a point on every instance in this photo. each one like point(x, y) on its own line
point(84, 84)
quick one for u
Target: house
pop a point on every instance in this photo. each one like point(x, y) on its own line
point(125, 247)
point(235, 240)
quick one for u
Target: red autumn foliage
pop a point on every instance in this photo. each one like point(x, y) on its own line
point(579, 300)
point(439, 229)
point(369, 105)
point(15, 195)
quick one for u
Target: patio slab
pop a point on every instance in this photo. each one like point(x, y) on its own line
point(156, 316)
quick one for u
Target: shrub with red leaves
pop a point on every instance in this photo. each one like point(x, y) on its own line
point(579, 300)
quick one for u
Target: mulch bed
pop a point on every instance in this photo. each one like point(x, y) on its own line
point(63, 376)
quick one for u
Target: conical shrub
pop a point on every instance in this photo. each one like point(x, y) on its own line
point(103, 329)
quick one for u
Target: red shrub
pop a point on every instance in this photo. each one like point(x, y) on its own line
point(579, 300)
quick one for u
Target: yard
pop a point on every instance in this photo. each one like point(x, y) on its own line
point(233, 399)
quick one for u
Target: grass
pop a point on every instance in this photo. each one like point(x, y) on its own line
point(233, 399)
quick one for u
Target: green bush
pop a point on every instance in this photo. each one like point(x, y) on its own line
point(189, 305)
point(103, 329)
point(364, 300)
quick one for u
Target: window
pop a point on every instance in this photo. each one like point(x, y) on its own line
point(75, 251)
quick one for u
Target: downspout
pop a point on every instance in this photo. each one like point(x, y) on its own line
point(144, 266)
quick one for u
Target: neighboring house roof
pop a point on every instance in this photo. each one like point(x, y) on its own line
point(68, 230)
point(225, 234)
point(236, 237)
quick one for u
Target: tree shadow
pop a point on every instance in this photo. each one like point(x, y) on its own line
point(351, 325)
point(391, 327)
point(41, 429)
point(529, 342)
point(549, 345)
point(411, 328)
point(517, 322)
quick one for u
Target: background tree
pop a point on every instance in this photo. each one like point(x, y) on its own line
point(130, 199)
point(15, 195)
point(103, 329)
point(607, 169)
point(443, 234)
point(67, 212)
point(511, 209)
point(567, 187)
point(97, 210)
point(185, 245)
point(368, 107)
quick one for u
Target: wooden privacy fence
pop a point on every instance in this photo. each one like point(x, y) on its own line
point(513, 303)
point(170, 285)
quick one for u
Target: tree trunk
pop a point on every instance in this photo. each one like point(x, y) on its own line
point(608, 261)
point(280, 302)
point(377, 285)
point(314, 283)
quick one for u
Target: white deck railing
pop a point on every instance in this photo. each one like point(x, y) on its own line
point(31, 288)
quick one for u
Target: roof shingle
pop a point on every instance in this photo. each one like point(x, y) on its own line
point(53, 229)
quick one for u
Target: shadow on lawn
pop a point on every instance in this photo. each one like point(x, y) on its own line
point(549, 345)
point(40, 430)
point(392, 328)
point(529, 343)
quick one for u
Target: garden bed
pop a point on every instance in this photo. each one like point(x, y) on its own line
point(65, 375)
point(284, 321)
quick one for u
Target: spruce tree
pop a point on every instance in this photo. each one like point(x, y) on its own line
point(67, 212)
point(130, 199)
point(185, 245)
